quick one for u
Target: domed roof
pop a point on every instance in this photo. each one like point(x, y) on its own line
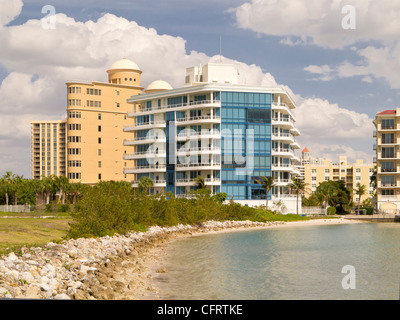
point(124, 64)
point(158, 85)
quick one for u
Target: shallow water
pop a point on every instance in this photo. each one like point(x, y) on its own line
point(299, 262)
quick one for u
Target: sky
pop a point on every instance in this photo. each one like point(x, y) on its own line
point(338, 59)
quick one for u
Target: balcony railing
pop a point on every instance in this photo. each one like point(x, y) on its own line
point(178, 105)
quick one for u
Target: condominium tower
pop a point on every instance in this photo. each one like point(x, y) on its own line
point(387, 160)
point(48, 147)
point(228, 133)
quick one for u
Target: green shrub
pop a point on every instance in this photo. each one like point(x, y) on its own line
point(114, 207)
point(331, 211)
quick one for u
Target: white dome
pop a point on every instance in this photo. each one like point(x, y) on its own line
point(158, 85)
point(124, 64)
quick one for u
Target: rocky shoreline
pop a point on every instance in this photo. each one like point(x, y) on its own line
point(108, 268)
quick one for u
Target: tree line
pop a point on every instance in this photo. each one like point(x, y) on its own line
point(15, 189)
point(335, 194)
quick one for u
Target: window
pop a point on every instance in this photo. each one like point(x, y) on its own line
point(74, 114)
point(74, 90)
point(388, 181)
point(99, 128)
point(96, 92)
point(95, 104)
point(74, 126)
point(388, 166)
point(99, 152)
point(327, 170)
point(74, 151)
point(74, 175)
point(99, 140)
point(387, 138)
point(387, 152)
point(74, 163)
point(74, 102)
point(99, 116)
point(387, 123)
point(74, 139)
point(99, 164)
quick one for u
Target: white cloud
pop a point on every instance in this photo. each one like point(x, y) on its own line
point(9, 10)
point(320, 21)
point(326, 128)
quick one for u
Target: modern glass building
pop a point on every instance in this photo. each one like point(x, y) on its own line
point(227, 133)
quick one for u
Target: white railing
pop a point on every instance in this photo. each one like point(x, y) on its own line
point(151, 123)
point(196, 118)
point(193, 180)
point(192, 133)
point(207, 164)
point(178, 105)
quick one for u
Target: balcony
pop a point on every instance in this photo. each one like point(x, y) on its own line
point(144, 155)
point(191, 182)
point(280, 136)
point(193, 151)
point(188, 105)
point(284, 122)
point(144, 140)
point(157, 183)
point(203, 134)
point(144, 169)
point(145, 125)
point(198, 166)
point(282, 152)
point(198, 119)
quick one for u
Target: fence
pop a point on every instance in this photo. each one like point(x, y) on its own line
point(24, 208)
point(313, 211)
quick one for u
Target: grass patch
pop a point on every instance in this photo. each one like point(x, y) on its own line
point(18, 232)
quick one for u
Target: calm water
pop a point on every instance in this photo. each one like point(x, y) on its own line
point(286, 263)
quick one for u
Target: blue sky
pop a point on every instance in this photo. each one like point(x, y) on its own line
point(341, 78)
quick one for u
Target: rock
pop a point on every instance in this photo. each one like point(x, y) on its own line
point(62, 296)
point(162, 270)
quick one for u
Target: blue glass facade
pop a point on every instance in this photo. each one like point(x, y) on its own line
point(246, 143)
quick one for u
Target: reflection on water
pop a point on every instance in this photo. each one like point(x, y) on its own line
point(287, 263)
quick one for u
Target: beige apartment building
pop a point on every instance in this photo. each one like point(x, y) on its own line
point(318, 170)
point(48, 145)
point(96, 117)
point(387, 124)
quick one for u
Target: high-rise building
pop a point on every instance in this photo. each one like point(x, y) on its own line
point(48, 144)
point(96, 114)
point(387, 124)
point(227, 133)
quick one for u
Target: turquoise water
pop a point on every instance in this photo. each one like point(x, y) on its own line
point(303, 262)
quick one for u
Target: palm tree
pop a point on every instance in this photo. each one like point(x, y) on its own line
point(61, 183)
point(6, 182)
point(267, 183)
point(145, 183)
point(200, 183)
point(297, 186)
point(360, 191)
